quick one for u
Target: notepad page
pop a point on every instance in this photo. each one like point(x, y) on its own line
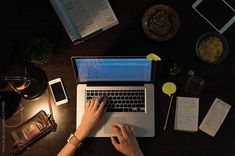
point(215, 117)
point(186, 115)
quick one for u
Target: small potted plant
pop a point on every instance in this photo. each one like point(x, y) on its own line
point(38, 52)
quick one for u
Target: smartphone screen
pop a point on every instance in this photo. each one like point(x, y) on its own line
point(58, 91)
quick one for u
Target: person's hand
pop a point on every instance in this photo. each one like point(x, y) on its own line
point(127, 143)
point(92, 114)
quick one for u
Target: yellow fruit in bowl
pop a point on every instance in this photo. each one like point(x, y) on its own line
point(211, 49)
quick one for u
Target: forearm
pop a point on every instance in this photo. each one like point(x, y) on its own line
point(69, 149)
point(91, 116)
point(136, 154)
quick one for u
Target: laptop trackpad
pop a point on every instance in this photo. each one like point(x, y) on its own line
point(112, 121)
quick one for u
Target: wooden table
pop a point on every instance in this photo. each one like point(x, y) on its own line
point(27, 19)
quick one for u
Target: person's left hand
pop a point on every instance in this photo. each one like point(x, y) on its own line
point(92, 114)
point(127, 143)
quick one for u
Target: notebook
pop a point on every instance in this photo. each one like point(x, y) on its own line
point(128, 84)
point(215, 117)
point(186, 114)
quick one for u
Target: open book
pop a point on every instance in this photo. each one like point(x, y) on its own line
point(84, 18)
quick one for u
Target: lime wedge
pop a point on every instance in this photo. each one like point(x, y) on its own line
point(153, 57)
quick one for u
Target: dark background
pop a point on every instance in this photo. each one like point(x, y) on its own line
point(22, 21)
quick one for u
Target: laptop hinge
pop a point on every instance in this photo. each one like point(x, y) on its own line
point(116, 84)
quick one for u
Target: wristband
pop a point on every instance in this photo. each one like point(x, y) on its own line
point(74, 141)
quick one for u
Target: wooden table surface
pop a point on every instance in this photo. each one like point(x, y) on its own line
point(25, 20)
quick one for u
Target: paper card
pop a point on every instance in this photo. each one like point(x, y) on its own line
point(186, 114)
point(214, 117)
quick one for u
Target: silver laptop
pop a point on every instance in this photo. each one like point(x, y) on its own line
point(128, 84)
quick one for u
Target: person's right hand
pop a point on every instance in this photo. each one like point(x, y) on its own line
point(127, 143)
point(91, 117)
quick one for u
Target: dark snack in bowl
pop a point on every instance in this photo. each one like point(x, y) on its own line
point(160, 23)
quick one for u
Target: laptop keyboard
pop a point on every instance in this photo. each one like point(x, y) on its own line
point(121, 100)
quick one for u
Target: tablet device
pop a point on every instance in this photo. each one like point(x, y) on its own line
point(220, 14)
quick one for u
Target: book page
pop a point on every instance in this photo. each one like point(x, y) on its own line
point(214, 117)
point(90, 15)
point(84, 17)
point(186, 114)
point(66, 20)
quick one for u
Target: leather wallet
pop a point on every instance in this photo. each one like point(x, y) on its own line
point(31, 130)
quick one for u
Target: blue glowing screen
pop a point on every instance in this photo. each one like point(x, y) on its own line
point(115, 69)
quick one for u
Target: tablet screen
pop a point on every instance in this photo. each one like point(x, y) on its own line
point(231, 3)
point(217, 12)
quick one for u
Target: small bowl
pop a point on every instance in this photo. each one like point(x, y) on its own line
point(212, 48)
point(160, 22)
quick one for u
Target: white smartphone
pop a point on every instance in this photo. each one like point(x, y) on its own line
point(58, 91)
point(220, 14)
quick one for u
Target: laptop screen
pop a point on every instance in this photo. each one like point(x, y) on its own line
point(112, 69)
